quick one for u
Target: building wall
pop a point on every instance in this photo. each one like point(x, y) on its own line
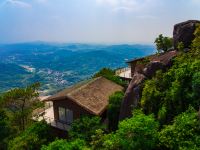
point(69, 104)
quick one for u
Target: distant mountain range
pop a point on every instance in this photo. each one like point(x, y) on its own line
point(57, 66)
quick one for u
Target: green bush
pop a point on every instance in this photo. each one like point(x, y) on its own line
point(85, 127)
point(32, 138)
point(65, 145)
point(138, 132)
point(114, 105)
point(184, 133)
point(5, 129)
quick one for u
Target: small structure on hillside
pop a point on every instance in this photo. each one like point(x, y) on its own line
point(142, 69)
point(85, 98)
point(137, 65)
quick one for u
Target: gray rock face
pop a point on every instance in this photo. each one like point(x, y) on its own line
point(183, 32)
point(132, 96)
point(152, 67)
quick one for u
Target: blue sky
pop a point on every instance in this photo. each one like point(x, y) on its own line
point(92, 21)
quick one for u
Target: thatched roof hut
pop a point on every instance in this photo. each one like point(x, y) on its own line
point(92, 96)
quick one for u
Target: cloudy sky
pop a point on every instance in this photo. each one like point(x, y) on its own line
point(92, 21)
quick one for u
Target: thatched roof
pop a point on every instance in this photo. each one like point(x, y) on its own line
point(92, 95)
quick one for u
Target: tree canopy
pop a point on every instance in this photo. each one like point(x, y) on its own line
point(163, 43)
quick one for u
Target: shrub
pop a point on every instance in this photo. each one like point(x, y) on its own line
point(114, 109)
point(184, 133)
point(66, 145)
point(85, 127)
point(32, 138)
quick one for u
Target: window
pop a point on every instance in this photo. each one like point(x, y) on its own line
point(65, 115)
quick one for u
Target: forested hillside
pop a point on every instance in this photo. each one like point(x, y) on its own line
point(167, 116)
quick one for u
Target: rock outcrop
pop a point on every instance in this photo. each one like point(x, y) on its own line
point(134, 91)
point(152, 67)
point(132, 96)
point(183, 32)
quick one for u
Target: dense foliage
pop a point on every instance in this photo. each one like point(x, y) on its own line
point(66, 145)
point(138, 132)
point(85, 127)
point(5, 129)
point(32, 138)
point(19, 104)
point(110, 75)
point(168, 94)
point(196, 41)
point(167, 117)
point(114, 105)
point(163, 43)
point(184, 133)
point(17, 130)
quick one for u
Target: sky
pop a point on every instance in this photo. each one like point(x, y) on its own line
point(92, 21)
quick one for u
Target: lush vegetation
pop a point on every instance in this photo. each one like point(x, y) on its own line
point(184, 133)
point(32, 138)
point(85, 127)
point(66, 145)
point(17, 129)
point(167, 117)
point(110, 75)
point(169, 94)
point(163, 44)
point(168, 114)
point(115, 101)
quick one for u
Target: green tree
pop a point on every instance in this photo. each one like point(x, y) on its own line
point(66, 145)
point(138, 132)
point(102, 141)
point(5, 129)
point(32, 138)
point(19, 103)
point(180, 46)
point(110, 75)
point(184, 133)
point(169, 94)
point(85, 127)
point(163, 43)
point(196, 41)
point(114, 109)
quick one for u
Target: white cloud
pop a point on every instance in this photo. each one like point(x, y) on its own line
point(127, 5)
point(18, 3)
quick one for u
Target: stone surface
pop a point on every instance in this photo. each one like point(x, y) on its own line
point(132, 96)
point(152, 67)
point(183, 32)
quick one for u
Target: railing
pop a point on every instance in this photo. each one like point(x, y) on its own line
point(41, 111)
point(57, 124)
point(43, 114)
point(117, 72)
point(124, 73)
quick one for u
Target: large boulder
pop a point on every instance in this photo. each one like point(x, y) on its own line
point(184, 32)
point(132, 96)
point(152, 67)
